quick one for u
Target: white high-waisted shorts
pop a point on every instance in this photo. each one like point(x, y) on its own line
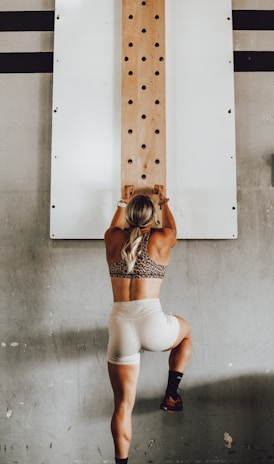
point(139, 325)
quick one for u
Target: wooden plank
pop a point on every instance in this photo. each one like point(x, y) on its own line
point(143, 138)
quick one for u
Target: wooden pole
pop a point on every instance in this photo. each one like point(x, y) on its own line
point(143, 151)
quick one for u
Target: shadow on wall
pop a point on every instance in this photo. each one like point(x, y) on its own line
point(58, 346)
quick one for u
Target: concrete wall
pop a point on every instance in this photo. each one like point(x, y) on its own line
point(55, 398)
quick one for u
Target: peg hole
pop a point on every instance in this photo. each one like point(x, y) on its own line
point(126, 58)
point(157, 73)
point(143, 87)
point(144, 116)
point(130, 73)
point(144, 31)
point(143, 146)
point(156, 16)
point(143, 58)
point(130, 102)
point(157, 102)
point(161, 58)
point(157, 44)
point(157, 131)
point(130, 44)
point(144, 176)
point(130, 16)
point(157, 161)
point(130, 131)
point(129, 161)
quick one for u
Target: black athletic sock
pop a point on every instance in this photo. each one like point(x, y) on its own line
point(174, 378)
point(121, 461)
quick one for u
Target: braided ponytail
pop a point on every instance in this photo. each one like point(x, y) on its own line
point(140, 212)
point(130, 251)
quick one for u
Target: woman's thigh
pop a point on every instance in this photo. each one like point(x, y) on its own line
point(124, 380)
point(184, 332)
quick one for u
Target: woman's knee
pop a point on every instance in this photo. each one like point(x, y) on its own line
point(123, 409)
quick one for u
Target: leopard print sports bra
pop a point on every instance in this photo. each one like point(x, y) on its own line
point(144, 268)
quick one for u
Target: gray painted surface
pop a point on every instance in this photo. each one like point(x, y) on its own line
point(55, 398)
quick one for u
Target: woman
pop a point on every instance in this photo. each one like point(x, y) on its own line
point(137, 257)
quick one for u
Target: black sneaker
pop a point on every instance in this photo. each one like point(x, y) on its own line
point(170, 405)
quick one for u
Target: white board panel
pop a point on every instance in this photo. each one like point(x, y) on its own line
point(201, 162)
point(85, 181)
point(201, 169)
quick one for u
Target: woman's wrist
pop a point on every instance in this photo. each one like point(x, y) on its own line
point(163, 201)
point(122, 203)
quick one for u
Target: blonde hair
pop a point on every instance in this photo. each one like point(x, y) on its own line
point(140, 212)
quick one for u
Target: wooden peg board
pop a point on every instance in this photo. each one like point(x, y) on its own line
point(199, 99)
point(143, 151)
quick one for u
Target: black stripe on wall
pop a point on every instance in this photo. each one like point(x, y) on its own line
point(260, 20)
point(26, 62)
point(26, 21)
point(253, 61)
point(43, 62)
point(253, 20)
point(246, 61)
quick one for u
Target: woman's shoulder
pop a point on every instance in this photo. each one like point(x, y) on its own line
point(114, 241)
point(162, 231)
point(163, 235)
point(114, 232)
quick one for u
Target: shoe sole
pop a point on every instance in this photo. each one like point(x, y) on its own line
point(171, 411)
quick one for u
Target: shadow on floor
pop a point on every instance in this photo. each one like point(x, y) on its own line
point(226, 421)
